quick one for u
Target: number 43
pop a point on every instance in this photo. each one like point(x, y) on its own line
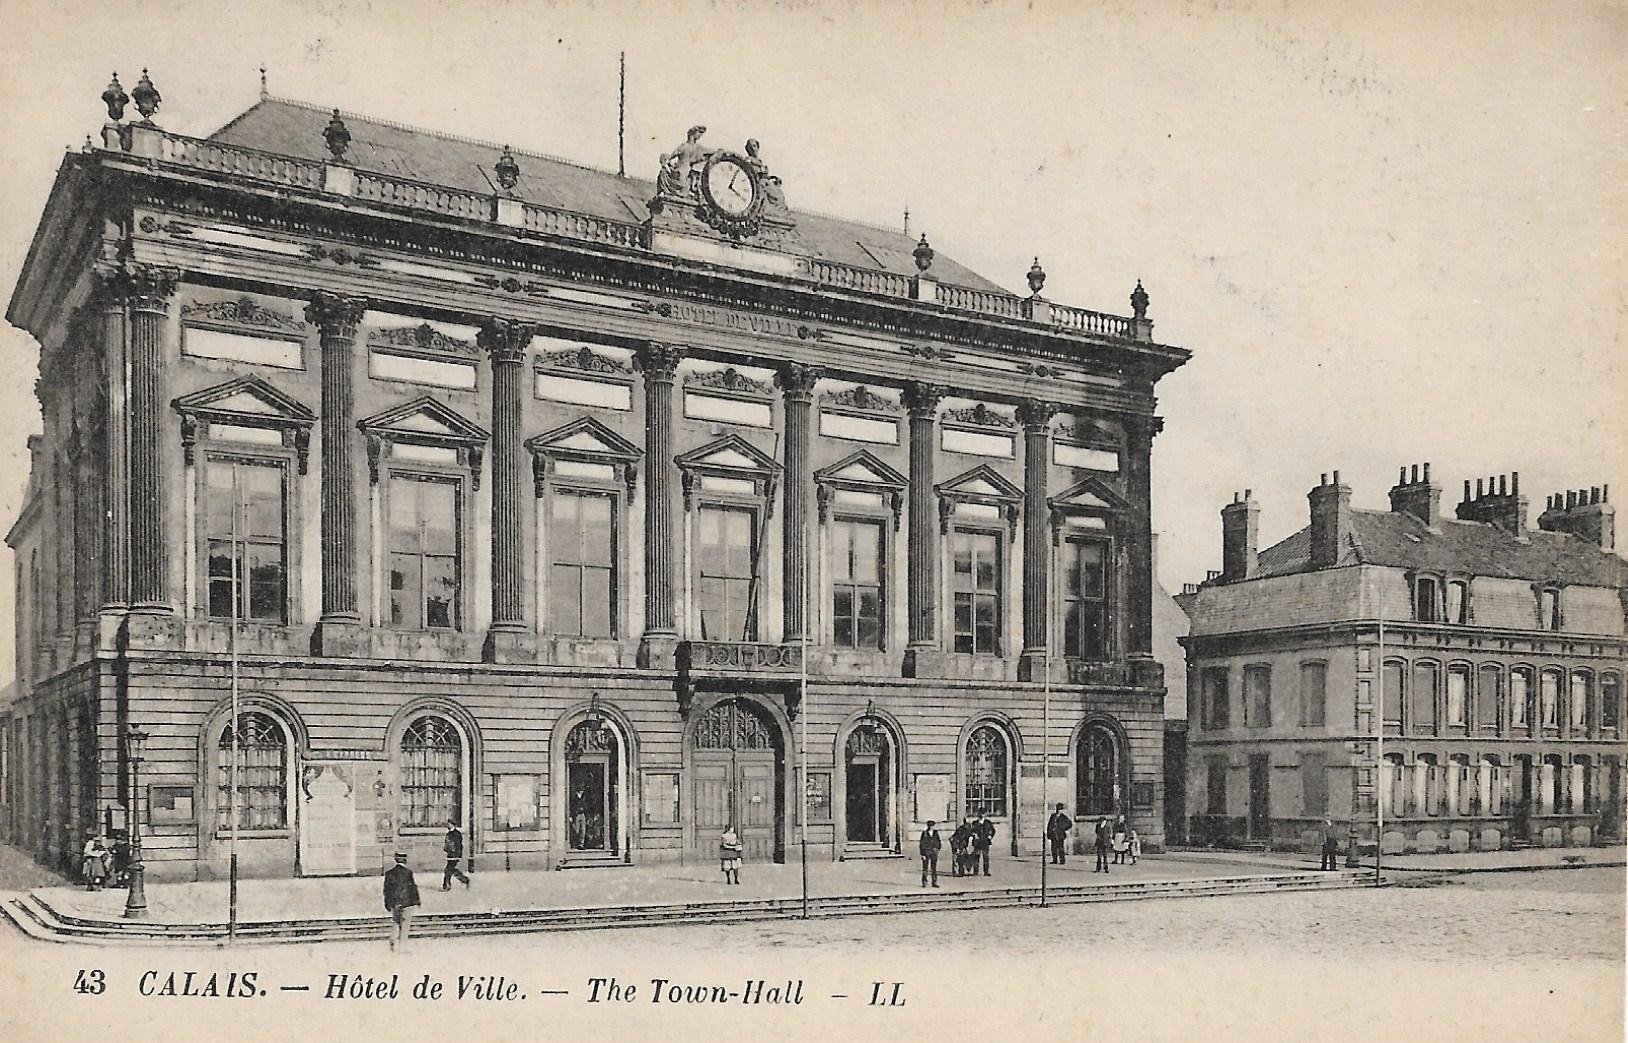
point(93, 982)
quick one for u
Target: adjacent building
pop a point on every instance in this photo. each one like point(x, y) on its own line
point(536, 491)
point(1491, 655)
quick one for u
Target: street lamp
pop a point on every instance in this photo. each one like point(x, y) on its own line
point(135, 903)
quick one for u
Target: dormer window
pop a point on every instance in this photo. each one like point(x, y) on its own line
point(1426, 599)
point(1458, 602)
point(1549, 614)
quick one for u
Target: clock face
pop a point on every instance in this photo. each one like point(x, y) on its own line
point(730, 186)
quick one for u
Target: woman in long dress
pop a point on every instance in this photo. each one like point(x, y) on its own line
point(93, 864)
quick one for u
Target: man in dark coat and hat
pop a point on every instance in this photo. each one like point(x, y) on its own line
point(400, 898)
point(931, 844)
point(1057, 828)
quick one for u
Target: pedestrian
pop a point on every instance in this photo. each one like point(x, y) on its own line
point(1102, 845)
point(122, 857)
point(400, 898)
point(93, 865)
point(1122, 843)
point(1057, 828)
point(983, 837)
point(729, 855)
point(453, 845)
point(960, 841)
point(930, 845)
point(1331, 847)
point(1136, 847)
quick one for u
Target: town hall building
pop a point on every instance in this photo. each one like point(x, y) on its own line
point(526, 496)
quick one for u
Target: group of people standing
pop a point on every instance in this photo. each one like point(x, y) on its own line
point(1118, 838)
point(104, 862)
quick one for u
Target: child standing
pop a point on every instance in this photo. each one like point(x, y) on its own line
point(729, 855)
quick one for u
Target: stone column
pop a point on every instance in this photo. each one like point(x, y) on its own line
point(506, 341)
point(108, 300)
point(659, 364)
point(1035, 416)
point(150, 292)
point(921, 401)
point(797, 385)
point(339, 630)
point(1139, 432)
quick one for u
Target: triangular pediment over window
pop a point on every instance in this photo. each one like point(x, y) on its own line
point(584, 440)
point(862, 468)
point(425, 421)
point(731, 453)
point(246, 402)
point(982, 484)
point(1091, 496)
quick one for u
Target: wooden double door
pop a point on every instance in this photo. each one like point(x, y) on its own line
point(737, 779)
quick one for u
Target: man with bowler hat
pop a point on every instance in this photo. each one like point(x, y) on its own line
point(453, 845)
point(931, 844)
point(400, 898)
point(1057, 828)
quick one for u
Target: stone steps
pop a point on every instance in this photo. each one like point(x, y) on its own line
point(36, 918)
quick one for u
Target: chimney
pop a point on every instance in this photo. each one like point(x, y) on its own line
point(1417, 495)
point(1330, 521)
point(1240, 536)
point(1498, 503)
point(1584, 512)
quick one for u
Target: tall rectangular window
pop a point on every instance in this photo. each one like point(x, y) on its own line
point(582, 566)
point(1549, 610)
point(254, 489)
point(425, 564)
point(975, 584)
point(1578, 701)
point(1215, 707)
point(1085, 599)
point(1313, 694)
point(1489, 699)
point(1520, 698)
point(1422, 704)
point(1314, 782)
point(1458, 602)
point(1257, 697)
point(1549, 699)
point(1215, 782)
point(856, 583)
point(1610, 702)
point(726, 567)
point(1458, 696)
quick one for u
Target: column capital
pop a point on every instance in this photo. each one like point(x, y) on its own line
point(335, 315)
point(797, 379)
point(505, 340)
point(150, 287)
point(1035, 414)
point(921, 398)
point(658, 361)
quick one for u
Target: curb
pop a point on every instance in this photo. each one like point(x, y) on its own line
point(1456, 870)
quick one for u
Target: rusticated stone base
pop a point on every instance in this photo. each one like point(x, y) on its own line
point(509, 646)
point(340, 639)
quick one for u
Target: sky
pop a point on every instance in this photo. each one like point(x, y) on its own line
point(1389, 234)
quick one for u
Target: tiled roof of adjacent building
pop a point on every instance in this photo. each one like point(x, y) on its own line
point(1477, 548)
point(293, 128)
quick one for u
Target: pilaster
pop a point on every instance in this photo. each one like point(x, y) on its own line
point(797, 396)
point(659, 365)
point(1139, 432)
point(339, 630)
point(506, 342)
point(107, 303)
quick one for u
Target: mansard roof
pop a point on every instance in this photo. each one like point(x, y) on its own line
point(1400, 540)
point(294, 128)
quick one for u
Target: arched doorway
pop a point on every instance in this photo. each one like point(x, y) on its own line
point(737, 772)
point(594, 786)
point(871, 763)
point(1097, 773)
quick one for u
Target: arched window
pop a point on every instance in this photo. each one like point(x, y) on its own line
point(1422, 701)
point(1390, 680)
point(431, 774)
point(1578, 700)
point(1520, 697)
point(1458, 696)
point(1549, 700)
point(986, 769)
point(1610, 702)
point(1097, 772)
point(1489, 699)
point(262, 781)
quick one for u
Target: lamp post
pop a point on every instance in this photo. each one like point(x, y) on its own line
point(135, 903)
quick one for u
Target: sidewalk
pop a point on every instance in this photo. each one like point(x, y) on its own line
point(655, 885)
point(1506, 861)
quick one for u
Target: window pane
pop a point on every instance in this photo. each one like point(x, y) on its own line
point(1549, 700)
point(870, 633)
point(438, 506)
point(1071, 628)
point(1456, 603)
point(1422, 706)
point(1089, 575)
point(1313, 693)
point(564, 600)
point(1489, 698)
point(1391, 682)
point(963, 622)
point(440, 592)
point(1579, 701)
point(1610, 702)
point(598, 530)
point(1458, 687)
point(564, 532)
point(404, 514)
point(842, 538)
point(1520, 696)
point(866, 548)
point(596, 602)
point(266, 597)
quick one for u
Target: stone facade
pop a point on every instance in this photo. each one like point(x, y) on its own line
point(516, 504)
point(1497, 652)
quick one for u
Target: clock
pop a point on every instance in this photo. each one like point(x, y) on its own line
point(731, 187)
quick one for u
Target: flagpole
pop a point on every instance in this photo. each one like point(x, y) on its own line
point(1045, 729)
point(1379, 754)
point(237, 725)
point(802, 725)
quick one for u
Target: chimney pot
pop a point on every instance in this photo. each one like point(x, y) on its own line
point(1605, 494)
point(1515, 482)
point(1402, 475)
point(1427, 471)
point(1466, 491)
point(1323, 480)
point(1478, 492)
point(1503, 485)
point(1571, 499)
point(1249, 494)
point(1594, 494)
point(1415, 478)
point(1336, 478)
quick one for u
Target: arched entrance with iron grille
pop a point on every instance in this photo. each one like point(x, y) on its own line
point(869, 787)
point(737, 763)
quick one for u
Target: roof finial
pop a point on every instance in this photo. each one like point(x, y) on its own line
point(1037, 277)
point(907, 220)
point(1139, 301)
point(923, 253)
point(146, 97)
point(115, 99)
point(507, 170)
point(337, 135)
point(264, 93)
